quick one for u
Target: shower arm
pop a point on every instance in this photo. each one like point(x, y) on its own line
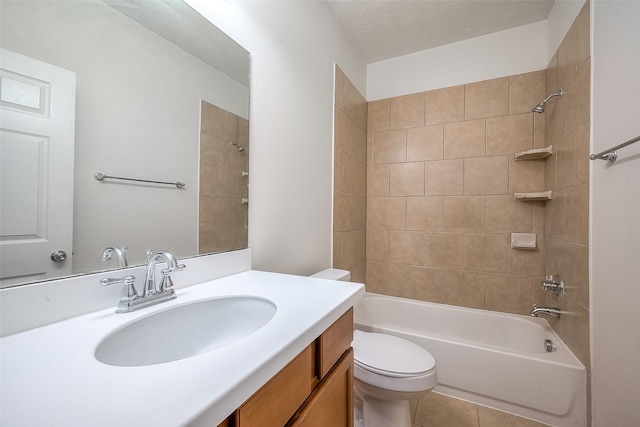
point(560, 93)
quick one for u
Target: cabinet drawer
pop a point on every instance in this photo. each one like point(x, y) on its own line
point(280, 398)
point(334, 342)
point(331, 403)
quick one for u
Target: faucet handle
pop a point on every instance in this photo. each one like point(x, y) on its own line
point(129, 292)
point(166, 284)
point(170, 270)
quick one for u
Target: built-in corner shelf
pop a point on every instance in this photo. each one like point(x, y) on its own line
point(535, 154)
point(530, 197)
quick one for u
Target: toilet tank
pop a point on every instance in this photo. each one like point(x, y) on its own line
point(333, 274)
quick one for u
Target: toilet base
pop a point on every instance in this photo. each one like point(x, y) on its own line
point(385, 413)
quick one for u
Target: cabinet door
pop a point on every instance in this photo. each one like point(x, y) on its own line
point(331, 404)
point(278, 400)
point(334, 342)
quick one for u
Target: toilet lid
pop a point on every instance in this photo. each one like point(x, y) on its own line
point(390, 355)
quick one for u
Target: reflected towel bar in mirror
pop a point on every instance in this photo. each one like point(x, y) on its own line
point(101, 177)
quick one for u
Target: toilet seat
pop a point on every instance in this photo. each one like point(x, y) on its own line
point(391, 356)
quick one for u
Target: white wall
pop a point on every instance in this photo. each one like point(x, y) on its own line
point(513, 51)
point(293, 47)
point(132, 120)
point(615, 215)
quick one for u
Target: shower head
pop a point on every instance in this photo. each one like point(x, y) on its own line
point(541, 106)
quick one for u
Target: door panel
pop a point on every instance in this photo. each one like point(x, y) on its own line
point(37, 126)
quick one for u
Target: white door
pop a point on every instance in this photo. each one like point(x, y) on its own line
point(37, 127)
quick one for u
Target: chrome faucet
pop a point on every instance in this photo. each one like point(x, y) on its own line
point(547, 311)
point(152, 293)
point(166, 284)
point(120, 253)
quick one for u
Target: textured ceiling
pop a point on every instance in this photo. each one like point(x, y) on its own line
point(384, 29)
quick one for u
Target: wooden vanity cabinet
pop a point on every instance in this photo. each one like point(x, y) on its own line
point(314, 390)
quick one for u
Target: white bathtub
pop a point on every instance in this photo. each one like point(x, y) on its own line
point(493, 359)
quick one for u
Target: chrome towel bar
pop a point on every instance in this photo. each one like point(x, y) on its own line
point(611, 154)
point(101, 177)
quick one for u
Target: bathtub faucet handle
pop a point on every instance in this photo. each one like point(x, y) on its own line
point(554, 283)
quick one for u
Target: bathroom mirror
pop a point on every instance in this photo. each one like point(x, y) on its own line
point(159, 94)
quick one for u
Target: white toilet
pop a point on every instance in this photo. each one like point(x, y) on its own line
point(388, 371)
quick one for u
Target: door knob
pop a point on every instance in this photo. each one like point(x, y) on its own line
point(58, 256)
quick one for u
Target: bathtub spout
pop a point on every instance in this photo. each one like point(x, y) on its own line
point(547, 311)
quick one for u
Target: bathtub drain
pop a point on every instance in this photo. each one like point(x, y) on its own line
point(549, 346)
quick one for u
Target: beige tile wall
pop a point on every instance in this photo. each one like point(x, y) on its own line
point(567, 173)
point(223, 216)
point(441, 174)
point(350, 178)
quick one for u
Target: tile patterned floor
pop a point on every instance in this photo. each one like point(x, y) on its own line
point(437, 410)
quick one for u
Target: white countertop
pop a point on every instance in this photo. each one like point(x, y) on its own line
point(50, 377)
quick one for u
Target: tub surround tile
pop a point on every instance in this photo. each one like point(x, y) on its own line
point(566, 217)
point(530, 263)
point(389, 213)
point(489, 98)
point(423, 283)
point(425, 143)
point(425, 213)
point(486, 252)
point(340, 211)
point(378, 115)
point(342, 131)
point(443, 250)
point(505, 215)
point(378, 180)
point(486, 175)
point(390, 146)
point(354, 175)
point(581, 275)
point(508, 293)
point(407, 111)
point(539, 130)
point(445, 177)
point(406, 179)
point(351, 156)
point(464, 139)
point(580, 98)
point(444, 105)
point(526, 176)
point(551, 79)
point(406, 247)
point(464, 213)
point(525, 91)
point(358, 147)
point(583, 150)
point(353, 248)
point(509, 134)
point(377, 244)
point(462, 288)
point(538, 216)
point(568, 57)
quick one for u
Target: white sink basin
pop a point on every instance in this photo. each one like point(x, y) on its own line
point(185, 331)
